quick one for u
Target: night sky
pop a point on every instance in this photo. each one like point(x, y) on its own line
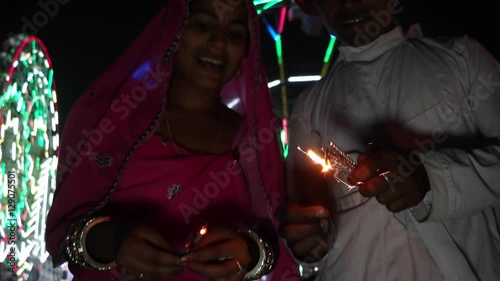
point(84, 37)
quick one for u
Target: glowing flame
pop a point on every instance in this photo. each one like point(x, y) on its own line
point(325, 163)
point(203, 230)
point(327, 166)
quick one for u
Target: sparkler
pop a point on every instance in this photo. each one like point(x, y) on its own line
point(338, 162)
point(334, 160)
point(191, 242)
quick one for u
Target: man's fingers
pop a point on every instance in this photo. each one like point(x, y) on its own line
point(372, 165)
point(404, 202)
point(298, 232)
point(374, 187)
point(362, 157)
point(314, 247)
point(387, 196)
point(304, 214)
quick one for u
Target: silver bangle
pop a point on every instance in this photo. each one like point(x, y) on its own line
point(83, 245)
point(266, 258)
point(77, 245)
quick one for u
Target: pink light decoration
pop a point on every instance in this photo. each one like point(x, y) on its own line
point(285, 130)
point(282, 20)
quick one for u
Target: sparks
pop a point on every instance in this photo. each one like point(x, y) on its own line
point(334, 162)
point(325, 163)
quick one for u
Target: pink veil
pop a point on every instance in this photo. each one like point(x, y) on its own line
point(121, 109)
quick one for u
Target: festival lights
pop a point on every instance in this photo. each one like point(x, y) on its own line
point(29, 141)
point(276, 35)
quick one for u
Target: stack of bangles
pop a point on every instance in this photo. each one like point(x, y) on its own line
point(267, 257)
point(76, 250)
point(76, 246)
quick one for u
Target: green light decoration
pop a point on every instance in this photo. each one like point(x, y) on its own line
point(281, 7)
point(29, 142)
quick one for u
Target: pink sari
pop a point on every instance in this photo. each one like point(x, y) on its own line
point(112, 163)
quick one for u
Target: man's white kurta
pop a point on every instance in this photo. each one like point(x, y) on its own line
point(449, 91)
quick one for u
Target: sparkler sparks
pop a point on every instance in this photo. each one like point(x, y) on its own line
point(325, 163)
point(334, 160)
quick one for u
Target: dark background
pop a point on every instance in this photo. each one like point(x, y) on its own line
point(84, 37)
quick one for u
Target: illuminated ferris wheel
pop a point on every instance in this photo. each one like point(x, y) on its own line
point(29, 142)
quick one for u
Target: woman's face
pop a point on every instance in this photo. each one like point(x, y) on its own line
point(358, 22)
point(214, 43)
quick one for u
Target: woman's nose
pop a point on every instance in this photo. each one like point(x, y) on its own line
point(218, 38)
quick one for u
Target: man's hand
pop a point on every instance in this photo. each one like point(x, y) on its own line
point(306, 231)
point(381, 174)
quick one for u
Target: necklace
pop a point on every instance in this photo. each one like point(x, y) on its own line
point(214, 147)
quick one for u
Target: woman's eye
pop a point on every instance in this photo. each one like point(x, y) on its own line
point(236, 35)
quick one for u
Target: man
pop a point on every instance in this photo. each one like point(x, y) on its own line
point(420, 117)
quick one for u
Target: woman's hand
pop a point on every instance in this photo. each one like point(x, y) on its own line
point(144, 253)
point(221, 254)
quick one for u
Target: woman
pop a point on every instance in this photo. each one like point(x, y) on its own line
point(177, 137)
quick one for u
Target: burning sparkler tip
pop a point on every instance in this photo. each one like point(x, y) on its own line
point(203, 230)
